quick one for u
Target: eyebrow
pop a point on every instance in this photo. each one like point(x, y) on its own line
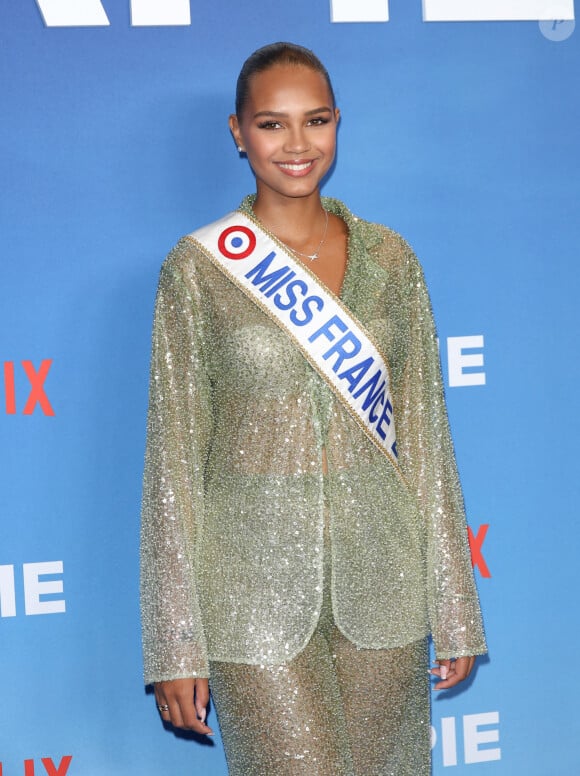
point(323, 109)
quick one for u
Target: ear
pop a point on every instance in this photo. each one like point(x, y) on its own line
point(337, 115)
point(235, 130)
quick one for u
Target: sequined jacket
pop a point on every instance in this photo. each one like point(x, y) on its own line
point(234, 491)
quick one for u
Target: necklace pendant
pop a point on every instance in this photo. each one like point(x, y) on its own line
point(309, 256)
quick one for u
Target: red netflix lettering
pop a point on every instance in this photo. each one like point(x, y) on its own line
point(10, 389)
point(49, 766)
point(62, 769)
point(37, 395)
point(475, 544)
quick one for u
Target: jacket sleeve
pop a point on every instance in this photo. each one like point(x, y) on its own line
point(427, 455)
point(178, 429)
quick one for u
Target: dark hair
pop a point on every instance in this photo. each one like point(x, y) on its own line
point(276, 54)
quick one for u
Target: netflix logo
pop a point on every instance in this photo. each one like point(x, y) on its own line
point(476, 541)
point(33, 396)
point(46, 767)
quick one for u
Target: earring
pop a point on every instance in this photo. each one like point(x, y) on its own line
point(240, 150)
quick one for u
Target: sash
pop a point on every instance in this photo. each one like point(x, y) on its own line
point(333, 342)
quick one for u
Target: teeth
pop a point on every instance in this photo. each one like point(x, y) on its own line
point(295, 167)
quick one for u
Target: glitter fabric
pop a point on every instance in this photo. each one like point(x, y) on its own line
point(334, 710)
point(233, 506)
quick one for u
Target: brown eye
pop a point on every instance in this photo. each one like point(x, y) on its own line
point(269, 125)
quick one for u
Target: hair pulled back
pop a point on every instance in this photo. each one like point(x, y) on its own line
point(281, 53)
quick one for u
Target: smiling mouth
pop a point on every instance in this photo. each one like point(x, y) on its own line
point(296, 168)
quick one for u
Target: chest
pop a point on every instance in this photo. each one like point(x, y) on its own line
point(247, 348)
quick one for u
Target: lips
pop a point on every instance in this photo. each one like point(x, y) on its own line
point(296, 169)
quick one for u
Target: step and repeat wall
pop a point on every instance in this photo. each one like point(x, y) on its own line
point(460, 126)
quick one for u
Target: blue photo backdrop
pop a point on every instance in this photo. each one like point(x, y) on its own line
point(463, 136)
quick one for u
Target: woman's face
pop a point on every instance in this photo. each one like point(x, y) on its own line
point(288, 130)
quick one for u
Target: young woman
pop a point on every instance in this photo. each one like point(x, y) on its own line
point(295, 552)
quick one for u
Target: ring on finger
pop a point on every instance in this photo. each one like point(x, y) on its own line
point(163, 707)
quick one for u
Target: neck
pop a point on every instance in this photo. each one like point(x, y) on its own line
point(291, 219)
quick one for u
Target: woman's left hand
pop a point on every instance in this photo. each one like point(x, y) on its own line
point(451, 672)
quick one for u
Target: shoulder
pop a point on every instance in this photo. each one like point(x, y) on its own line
point(191, 251)
point(186, 264)
point(182, 257)
point(383, 245)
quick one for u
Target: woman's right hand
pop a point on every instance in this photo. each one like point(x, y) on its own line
point(183, 702)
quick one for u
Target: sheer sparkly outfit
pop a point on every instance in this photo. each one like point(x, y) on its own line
point(256, 563)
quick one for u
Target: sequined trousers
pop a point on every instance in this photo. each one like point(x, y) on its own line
point(334, 710)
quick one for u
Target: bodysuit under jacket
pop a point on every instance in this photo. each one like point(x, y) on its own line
point(234, 492)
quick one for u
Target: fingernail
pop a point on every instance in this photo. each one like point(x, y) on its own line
point(202, 715)
point(443, 672)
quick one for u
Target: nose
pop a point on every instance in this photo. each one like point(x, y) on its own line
point(296, 141)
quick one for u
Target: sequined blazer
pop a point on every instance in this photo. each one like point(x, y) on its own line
point(235, 497)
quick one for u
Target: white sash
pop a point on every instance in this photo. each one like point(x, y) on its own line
point(334, 343)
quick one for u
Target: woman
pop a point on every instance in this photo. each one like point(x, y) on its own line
point(294, 551)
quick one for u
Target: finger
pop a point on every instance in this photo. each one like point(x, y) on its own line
point(441, 669)
point(201, 698)
point(463, 666)
point(190, 721)
point(169, 703)
point(186, 714)
point(448, 679)
point(175, 716)
point(181, 712)
point(162, 705)
point(459, 670)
